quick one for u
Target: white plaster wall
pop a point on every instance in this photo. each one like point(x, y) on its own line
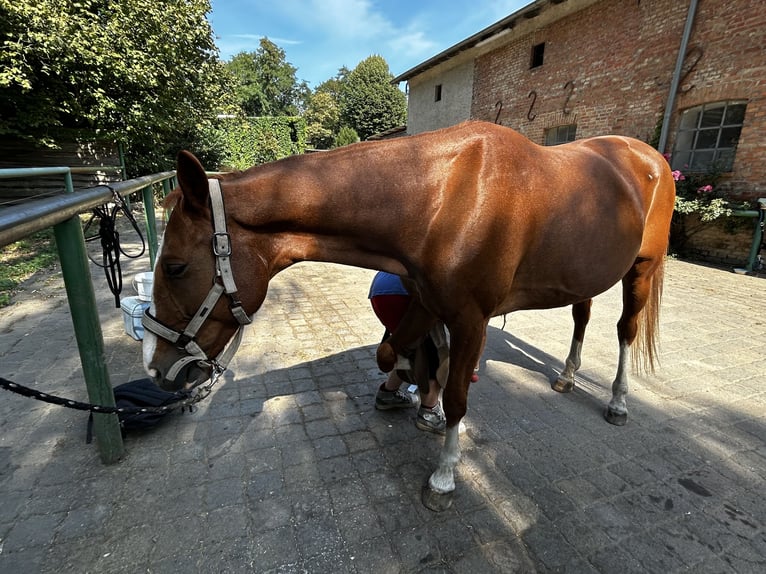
point(425, 114)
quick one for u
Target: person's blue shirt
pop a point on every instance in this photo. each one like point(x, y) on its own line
point(386, 284)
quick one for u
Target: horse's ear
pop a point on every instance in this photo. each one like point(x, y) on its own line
point(192, 181)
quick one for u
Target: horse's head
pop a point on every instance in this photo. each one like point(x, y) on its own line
point(195, 306)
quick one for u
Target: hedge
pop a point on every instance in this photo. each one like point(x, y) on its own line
point(239, 143)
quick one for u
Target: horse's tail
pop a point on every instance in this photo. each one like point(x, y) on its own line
point(644, 354)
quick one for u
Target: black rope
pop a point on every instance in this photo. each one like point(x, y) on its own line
point(110, 242)
point(185, 399)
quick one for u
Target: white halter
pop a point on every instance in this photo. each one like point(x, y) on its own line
point(185, 340)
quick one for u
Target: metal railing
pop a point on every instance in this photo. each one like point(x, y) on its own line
point(62, 213)
point(758, 231)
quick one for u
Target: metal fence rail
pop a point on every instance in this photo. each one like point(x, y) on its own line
point(61, 212)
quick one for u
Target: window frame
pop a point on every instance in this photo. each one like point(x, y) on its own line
point(571, 132)
point(695, 134)
point(537, 58)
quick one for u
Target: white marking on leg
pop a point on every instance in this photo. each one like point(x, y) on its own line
point(618, 404)
point(442, 480)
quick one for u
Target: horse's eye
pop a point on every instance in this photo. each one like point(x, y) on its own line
point(174, 270)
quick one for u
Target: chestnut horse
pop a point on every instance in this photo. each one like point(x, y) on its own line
point(481, 220)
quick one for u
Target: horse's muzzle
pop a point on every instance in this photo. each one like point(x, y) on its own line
point(188, 377)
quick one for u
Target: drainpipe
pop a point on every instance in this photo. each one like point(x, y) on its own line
point(676, 76)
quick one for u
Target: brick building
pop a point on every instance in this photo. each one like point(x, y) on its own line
point(558, 70)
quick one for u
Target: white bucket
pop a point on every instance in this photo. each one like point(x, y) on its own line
point(142, 283)
point(132, 313)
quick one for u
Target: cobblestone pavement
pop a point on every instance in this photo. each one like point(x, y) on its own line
point(288, 468)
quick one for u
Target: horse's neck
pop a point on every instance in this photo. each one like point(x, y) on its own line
point(314, 210)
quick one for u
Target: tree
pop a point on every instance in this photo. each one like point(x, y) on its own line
point(323, 111)
point(322, 120)
point(139, 71)
point(265, 83)
point(334, 86)
point(370, 102)
point(345, 136)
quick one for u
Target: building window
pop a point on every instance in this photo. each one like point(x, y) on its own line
point(560, 134)
point(538, 51)
point(707, 137)
point(438, 93)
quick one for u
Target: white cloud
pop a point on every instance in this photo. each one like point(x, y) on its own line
point(350, 19)
point(413, 43)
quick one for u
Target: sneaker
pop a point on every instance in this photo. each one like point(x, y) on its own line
point(432, 420)
point(386, 400)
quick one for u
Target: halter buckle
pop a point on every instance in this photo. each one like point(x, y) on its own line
point(221, 244)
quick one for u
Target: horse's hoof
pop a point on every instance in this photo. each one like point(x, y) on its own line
point(563, 386)
point(615, 418)
point(386, 357)
point(435, 501)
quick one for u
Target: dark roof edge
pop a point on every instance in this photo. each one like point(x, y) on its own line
point(507, 23)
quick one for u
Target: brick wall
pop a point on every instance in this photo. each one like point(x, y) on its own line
point(616, 59)
point(726, 241)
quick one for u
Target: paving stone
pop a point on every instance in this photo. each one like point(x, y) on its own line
point(287, 467)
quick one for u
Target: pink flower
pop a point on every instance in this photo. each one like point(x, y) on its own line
point(705, 189)
point(666, 156)
point(677, 175)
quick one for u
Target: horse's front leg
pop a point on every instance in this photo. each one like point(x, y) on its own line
point(566, 380)
point(465, 346)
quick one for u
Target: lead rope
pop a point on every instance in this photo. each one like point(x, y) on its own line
point(186, 398)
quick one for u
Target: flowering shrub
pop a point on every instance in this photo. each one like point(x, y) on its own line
point(697, 193)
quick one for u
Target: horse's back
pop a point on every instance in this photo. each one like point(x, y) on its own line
point(567, 222)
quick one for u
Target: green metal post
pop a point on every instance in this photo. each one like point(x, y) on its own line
point(151, 223)
point(755, 247)
point(90, 342)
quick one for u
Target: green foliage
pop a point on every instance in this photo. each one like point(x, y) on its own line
point(334, 86)
point(147, 74)
point(265, 83)
point(322, 120)
point(137, 71)
point(370, 103)
point(239, 143)
point(699, 194)
point(323, 111)
point(346, 135)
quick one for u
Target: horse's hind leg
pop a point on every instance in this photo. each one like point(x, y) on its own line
point(566, 380)
point(638, 287)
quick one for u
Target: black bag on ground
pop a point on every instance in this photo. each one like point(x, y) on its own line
point(139, 394)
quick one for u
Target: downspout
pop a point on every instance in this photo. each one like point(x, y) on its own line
point(676, 77)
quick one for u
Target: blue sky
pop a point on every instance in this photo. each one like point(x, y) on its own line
point(321, 36)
